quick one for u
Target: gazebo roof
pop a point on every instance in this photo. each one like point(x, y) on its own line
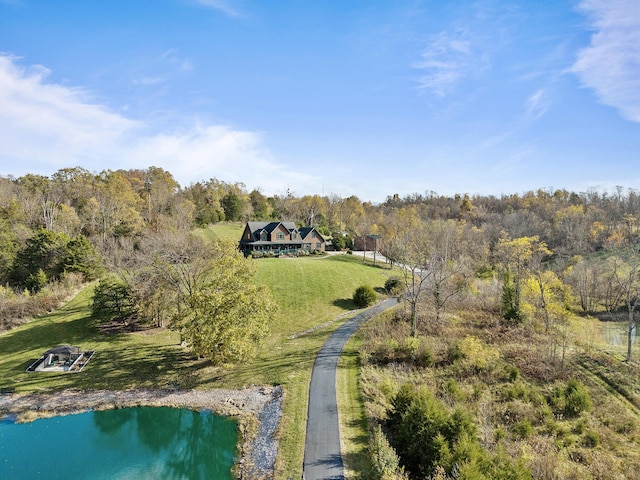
point(63, 350)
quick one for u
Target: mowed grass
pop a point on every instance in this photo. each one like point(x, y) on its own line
point(354, 432)
point(313, 295)
point(224, 230)
point(151, 359)
point(311, 292)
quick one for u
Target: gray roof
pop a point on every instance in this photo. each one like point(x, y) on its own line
point(63, 350)
point(304, 231)
point(269, 226)
point(256, 227)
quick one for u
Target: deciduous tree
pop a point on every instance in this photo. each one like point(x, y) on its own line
point(518, 258)
point(225, 319)
point(625, 280)
point(113, 300)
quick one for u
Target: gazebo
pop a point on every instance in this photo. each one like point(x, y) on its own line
point(61, 354)
point(61, 358)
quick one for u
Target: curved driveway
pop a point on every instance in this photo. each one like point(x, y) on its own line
point(322, 456)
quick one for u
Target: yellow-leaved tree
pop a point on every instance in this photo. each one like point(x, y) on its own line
point(225, 317)
point(518, 258)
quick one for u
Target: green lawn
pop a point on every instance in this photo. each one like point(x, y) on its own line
point(152, 359)
point(354, 433)
point(224, 230)
point(310, 291)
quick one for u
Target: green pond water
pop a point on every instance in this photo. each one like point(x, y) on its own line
point(129, 443)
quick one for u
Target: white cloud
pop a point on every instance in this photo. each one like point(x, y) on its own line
point(149, 80)
point(536, 105)
point(160, 69)
point(447, 60)
point(46, 126)
point(222, 5)
point(610, 65)
point(37, 115)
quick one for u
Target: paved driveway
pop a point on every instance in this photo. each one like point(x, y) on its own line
point(322, 456)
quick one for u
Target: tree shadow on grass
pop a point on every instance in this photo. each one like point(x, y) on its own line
point(151, 366)
point(358, 460)
point(344, 303)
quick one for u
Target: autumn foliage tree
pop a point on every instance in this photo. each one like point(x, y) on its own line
point(518, 258)
point(227, 316)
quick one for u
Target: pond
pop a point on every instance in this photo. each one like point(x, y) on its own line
point(615, 333)
point(127, 443)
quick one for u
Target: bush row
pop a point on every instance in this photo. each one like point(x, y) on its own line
point(17, 307)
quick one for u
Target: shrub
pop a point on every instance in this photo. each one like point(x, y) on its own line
point(425, 359)
point(513, 372)
point(393, 286)
point(432, 441)
point(571, 399)
point(577, 399)
point(591, 439)
point(523, 429)
point(477, 356)
point(451, 388)
point(364, 296)
point(36, 281)
point(16, 307)
point(454, 353)
point(385, 463)
point(339, 242)
point(485, 272)
point(410, 348)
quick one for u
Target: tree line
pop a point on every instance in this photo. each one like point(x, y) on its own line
point(77, 224)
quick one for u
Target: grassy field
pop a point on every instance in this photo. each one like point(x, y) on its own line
point(225, 230)
point(314, 298)
point(354, 434)
point(311, 292)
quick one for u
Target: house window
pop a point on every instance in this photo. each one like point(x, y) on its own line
point(263, 236)
point(280, 236)
point(294, 235)
point(318, 245)
point(313, 234)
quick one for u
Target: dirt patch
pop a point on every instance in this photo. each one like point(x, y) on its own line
point(258, 410)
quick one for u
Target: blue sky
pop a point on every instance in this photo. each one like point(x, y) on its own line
point(352, 97)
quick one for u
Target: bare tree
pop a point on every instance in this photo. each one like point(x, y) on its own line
point(625, 279)
point(433, 265)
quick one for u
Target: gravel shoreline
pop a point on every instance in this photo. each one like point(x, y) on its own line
point(258, 410)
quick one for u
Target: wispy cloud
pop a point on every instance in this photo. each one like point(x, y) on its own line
point(46, 126)
point(536, 105)
point(449, 59)
point(160, 69)
point(610, 65)
point(221, 5)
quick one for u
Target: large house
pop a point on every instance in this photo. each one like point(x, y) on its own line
point(280, 238)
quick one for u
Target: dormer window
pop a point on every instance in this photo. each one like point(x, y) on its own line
point(263, 236)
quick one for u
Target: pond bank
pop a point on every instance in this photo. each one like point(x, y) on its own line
point(258, 410)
